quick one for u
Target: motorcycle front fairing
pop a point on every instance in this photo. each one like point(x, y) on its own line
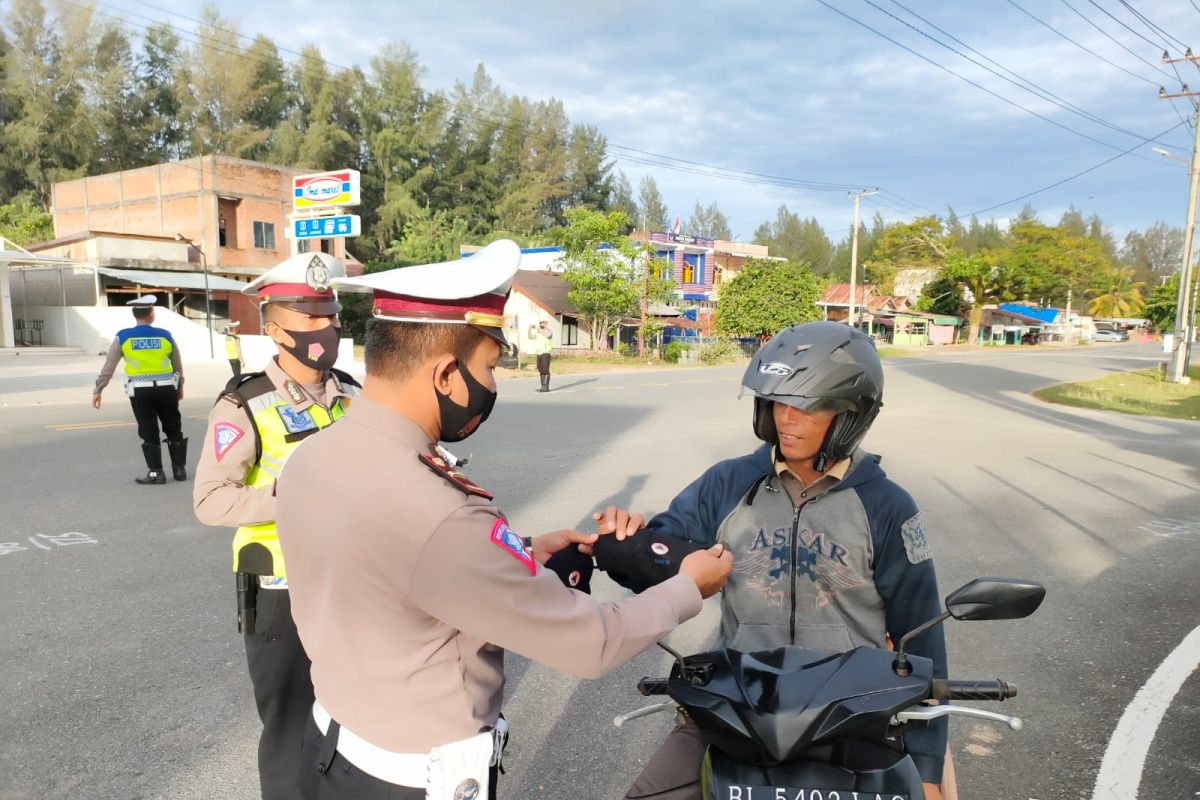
point(774, 706)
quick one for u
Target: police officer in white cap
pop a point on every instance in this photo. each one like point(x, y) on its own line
point(408, 582)
point(154, 385)
point(257, 422)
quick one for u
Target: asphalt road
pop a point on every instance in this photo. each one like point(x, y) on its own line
point(121, 675)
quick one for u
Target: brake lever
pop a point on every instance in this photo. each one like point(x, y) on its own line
point(643, 712)
point(936, 712)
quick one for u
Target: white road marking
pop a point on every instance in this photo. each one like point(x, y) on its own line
point(1121, 770)
point(654, 384)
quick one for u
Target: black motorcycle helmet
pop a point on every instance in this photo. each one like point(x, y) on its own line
point(818, 366)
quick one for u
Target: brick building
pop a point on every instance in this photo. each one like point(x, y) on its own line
point(159, 228)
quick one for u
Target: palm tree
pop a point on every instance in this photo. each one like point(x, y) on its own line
point(1117, 295)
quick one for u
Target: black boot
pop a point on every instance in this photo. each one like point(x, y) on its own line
point(545, 383)
point(178, 451)
point(155, 476)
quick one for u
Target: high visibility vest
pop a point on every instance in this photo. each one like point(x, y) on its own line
point(147, 351)
point(279, 430)
point(545, 342)
point(233, 348)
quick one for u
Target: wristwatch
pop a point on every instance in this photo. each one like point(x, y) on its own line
point(528, 540)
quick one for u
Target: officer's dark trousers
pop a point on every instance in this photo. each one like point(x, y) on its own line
point(152, 404)
point(279, 670)
point(236, 365)
point(673, 772)
point(335, 778)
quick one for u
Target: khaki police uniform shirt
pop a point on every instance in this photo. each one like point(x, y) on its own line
point(406, 604)
point(220, 495)
point(115, 354)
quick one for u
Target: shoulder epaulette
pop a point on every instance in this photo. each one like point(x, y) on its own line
point(455, 476)
point(345, 377)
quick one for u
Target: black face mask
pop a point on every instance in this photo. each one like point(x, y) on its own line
point(317, 349)
point(459, 422)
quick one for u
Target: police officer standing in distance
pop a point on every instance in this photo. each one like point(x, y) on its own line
point(154, 384)
point(408, 583)
point(233, 348)
point(257, 422)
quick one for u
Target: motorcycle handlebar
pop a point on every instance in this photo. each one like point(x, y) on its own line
point(652, 686)
point(972, 690)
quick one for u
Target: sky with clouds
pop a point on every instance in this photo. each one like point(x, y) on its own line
point(801, 92)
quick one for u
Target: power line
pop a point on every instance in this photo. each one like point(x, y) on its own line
point(1072, 177)
point(1138, 34)
point(1152, 26)
point(1121, 45)
point(979, 86)
point(1084, 48)
point(1036, 91)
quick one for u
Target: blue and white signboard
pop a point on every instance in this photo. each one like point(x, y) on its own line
point(325, 227)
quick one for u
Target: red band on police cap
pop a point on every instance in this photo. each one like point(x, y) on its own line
point(399, 305)
point(293, 290)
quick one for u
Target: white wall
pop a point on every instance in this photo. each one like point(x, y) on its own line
point(93, 329)
point(526, 312)
point(6, 312)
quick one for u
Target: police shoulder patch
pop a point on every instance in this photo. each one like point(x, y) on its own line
point(507, 539)
point(916, 545)
point(455, 476)
point(225, 436)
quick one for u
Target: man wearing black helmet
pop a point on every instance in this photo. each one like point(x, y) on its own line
point(828, 552)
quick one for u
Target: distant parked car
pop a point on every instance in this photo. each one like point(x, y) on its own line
point(1110, 335)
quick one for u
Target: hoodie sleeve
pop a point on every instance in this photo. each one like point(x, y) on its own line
point(905, 579)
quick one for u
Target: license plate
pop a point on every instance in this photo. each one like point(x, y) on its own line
point(755, 792)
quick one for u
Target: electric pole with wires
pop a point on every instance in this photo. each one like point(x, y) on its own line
point(1184, 331)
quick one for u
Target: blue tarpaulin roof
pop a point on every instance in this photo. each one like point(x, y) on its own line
point(1045, 315)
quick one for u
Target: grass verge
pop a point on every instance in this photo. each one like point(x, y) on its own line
point(1144, 393)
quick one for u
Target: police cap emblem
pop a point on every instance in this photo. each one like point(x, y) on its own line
point(317, 275)
point(467, 790)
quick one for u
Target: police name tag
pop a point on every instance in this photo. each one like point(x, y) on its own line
point(146, 343)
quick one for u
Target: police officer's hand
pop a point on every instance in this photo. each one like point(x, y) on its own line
point(179, 393)
point(618, 521)
point(548, 544)
point(708, 568)
point(95, 401)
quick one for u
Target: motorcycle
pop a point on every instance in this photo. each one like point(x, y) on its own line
point(802, 724)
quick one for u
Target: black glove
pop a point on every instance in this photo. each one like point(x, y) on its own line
point(573, 568)
point(644, 559)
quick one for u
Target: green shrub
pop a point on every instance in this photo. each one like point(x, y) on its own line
point(719, 352)
point(673, 350)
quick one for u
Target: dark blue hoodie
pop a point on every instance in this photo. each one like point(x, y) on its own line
point(850, 567)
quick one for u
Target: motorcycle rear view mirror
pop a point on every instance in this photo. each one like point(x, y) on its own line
point(982, 598)
point(995, 598)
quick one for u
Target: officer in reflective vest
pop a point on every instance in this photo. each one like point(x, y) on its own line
point(233, 348)
point(257, 422)
point(154, 385)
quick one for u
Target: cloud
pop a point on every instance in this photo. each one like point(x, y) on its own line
point(794, 89)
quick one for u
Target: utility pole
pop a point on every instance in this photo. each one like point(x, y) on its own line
point(1183, 328)
point(851, 320)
